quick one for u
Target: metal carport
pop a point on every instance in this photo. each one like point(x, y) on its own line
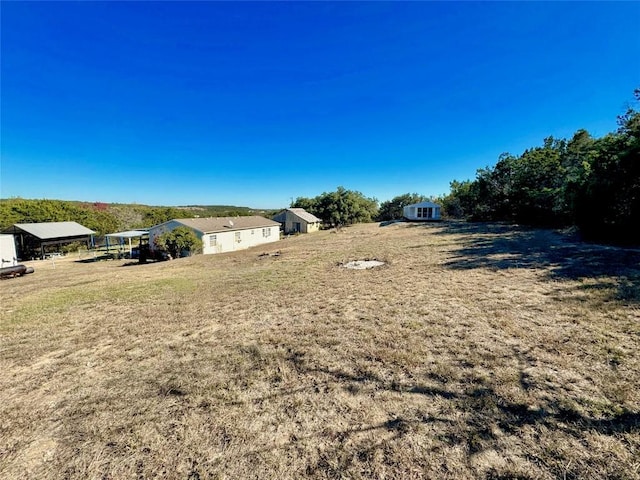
point(31, 237)
point(129, 234)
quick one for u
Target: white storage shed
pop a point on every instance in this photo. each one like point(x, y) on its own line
point(423, 211)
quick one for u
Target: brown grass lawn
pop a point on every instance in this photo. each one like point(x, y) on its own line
point(478, 351)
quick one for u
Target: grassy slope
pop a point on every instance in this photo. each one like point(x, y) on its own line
point(479, 351)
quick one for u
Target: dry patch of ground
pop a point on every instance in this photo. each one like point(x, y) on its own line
point(476, 351)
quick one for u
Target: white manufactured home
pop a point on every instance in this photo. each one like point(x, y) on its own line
point(223, 234)
point(423, 211)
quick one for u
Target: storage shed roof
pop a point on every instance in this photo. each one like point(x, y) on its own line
point(304, 215)
point(423, 204)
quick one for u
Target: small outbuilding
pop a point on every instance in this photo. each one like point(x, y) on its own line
point(423, 211)
point(223, 234)
point(297, 220)
point(37, 239)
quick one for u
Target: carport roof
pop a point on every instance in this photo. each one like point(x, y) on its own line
point(128, 234)
point(48, 230)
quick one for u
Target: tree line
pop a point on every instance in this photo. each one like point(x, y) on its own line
point(591, 183)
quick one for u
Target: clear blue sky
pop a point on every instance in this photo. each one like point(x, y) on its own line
point(256, 103)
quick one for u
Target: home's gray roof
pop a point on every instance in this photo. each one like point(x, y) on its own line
point(49, 230)
point(221, 224)
point(304, 215)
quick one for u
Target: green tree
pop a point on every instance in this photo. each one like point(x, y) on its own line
point(179, 242)
point(536, 191)
point(607, 200)
point(157, 215)
point(309, 204)
point(577, 160)
point(461, 200)
point(130, 217)
point(342, 207)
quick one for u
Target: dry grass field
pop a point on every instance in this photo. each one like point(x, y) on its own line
point(477, 351)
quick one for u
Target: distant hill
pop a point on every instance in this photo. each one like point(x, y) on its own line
point(221, 210)
point(110, 217)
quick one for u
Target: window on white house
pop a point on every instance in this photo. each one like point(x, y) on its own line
point(266, 232)
point(425, 212)
point(213, 240)
point(238, 237)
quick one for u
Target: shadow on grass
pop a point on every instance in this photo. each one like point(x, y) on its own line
point(500, 246)
point(97, 258)
point(482, 420)
point(480, 401)
point(470, 416)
